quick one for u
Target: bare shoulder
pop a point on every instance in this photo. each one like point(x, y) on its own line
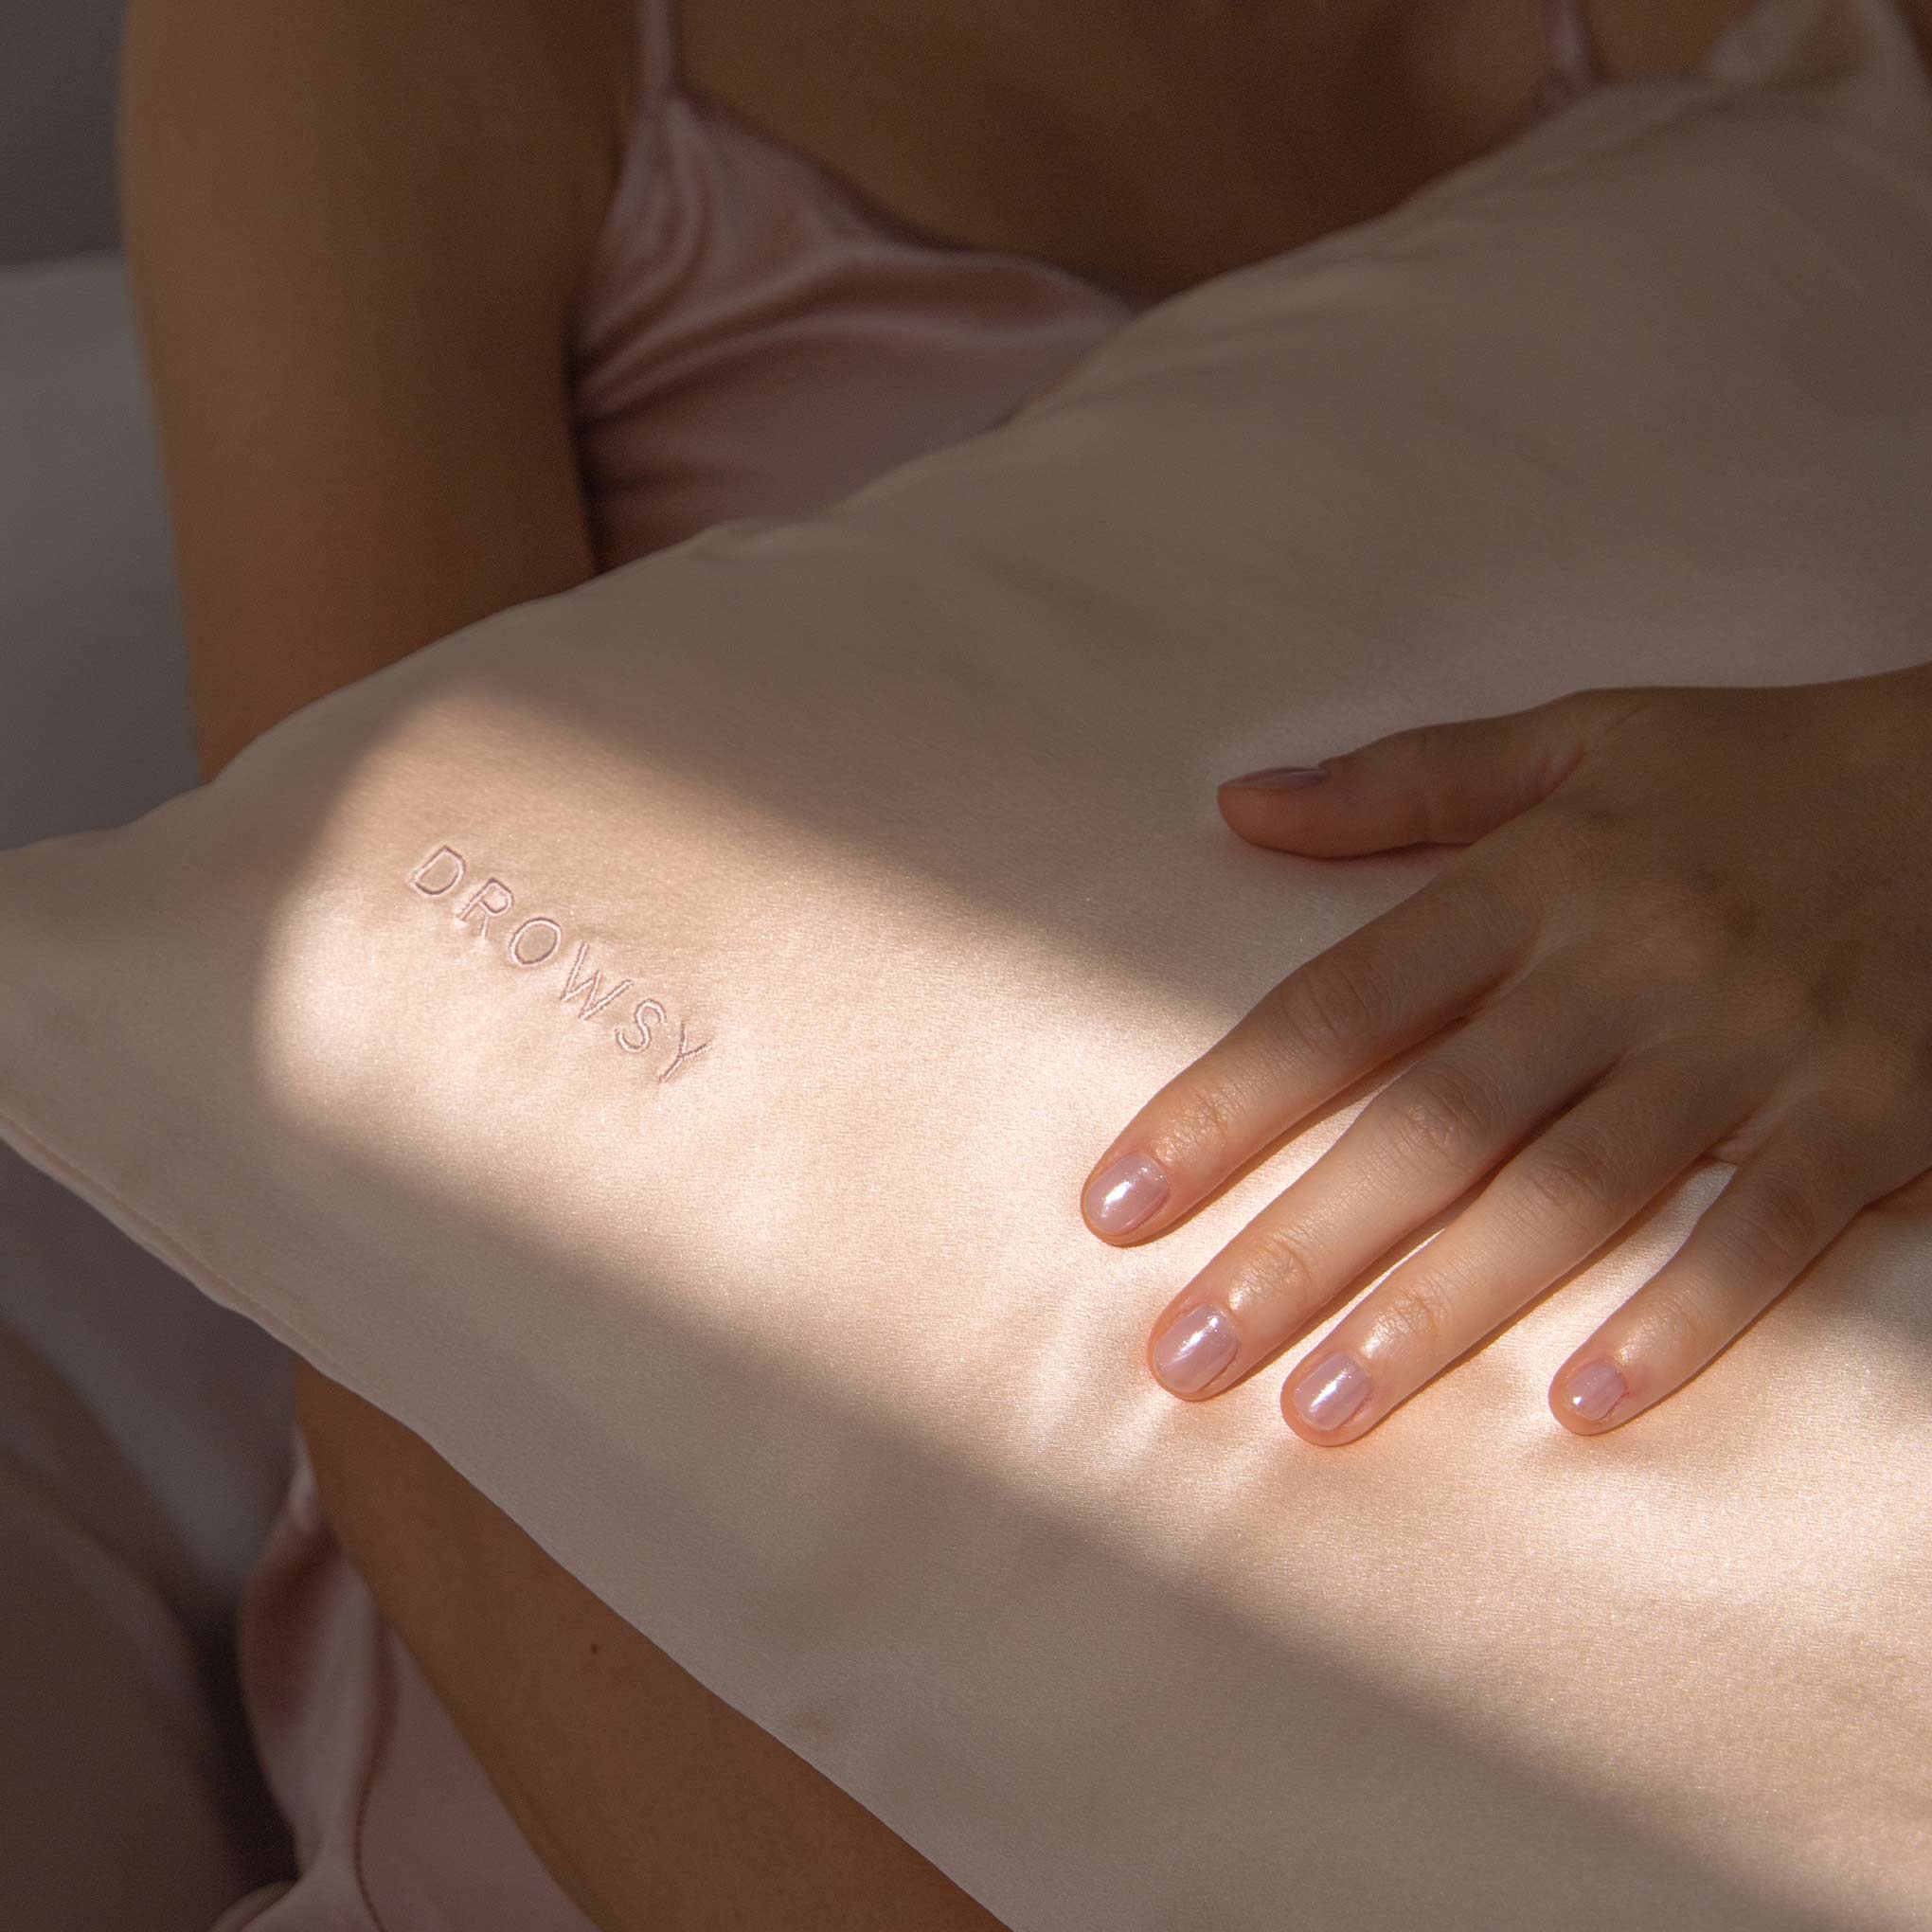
point(355, 230)
point(511, 105)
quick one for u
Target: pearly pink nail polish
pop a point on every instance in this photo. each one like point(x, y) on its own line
point(1593, 1391)
point(1121, 1197)
point(1331, 1391)
point(1194, 1348)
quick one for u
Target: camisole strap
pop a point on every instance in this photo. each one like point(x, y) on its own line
point(657, 52)
point(1574, 70)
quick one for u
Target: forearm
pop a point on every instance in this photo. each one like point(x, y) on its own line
point(652, 1803)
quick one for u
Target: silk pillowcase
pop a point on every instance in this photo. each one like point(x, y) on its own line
point(650, 1042)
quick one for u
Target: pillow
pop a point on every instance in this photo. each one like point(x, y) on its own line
point(651, 1042)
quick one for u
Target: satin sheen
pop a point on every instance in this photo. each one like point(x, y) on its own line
point(902, 813)
point(755, 338)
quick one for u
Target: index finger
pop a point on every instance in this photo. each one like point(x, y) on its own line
point(1390, 984)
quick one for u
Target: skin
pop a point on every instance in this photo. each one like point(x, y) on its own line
point(355, 231)
point(1678, 929)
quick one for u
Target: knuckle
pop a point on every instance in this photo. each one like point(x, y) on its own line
point(1575, 827)
point(1774, 1225)
point(1418, 1315)
point(1333, 1002)
point(1838, 1140)
point(1688, 924)
point(1583, 817)
point(1869, 1068)
point(1443, 1112)
point(1283, 1255)
point(1783, 1007)
point(1814, 1003)
point(1206, 1121)
point(1561, 855)
point(1880, 1066)
point(1676, 1327)
point(1569, 1182)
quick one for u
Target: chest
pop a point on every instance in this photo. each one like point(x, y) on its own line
point(1145, 146)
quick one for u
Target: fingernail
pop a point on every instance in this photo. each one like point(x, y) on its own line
point(1193, 1348)
point(1594, 1391)
point(1279, 778)
point(1332, 1392)
point(1121, 1196)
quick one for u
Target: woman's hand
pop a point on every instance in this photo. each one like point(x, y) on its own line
point(1692, 922)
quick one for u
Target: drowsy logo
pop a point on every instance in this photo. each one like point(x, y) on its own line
point(539, 942)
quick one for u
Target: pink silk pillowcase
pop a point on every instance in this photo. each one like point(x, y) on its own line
point(650, 1042)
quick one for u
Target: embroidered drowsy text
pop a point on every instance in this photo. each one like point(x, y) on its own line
point(540, 941)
